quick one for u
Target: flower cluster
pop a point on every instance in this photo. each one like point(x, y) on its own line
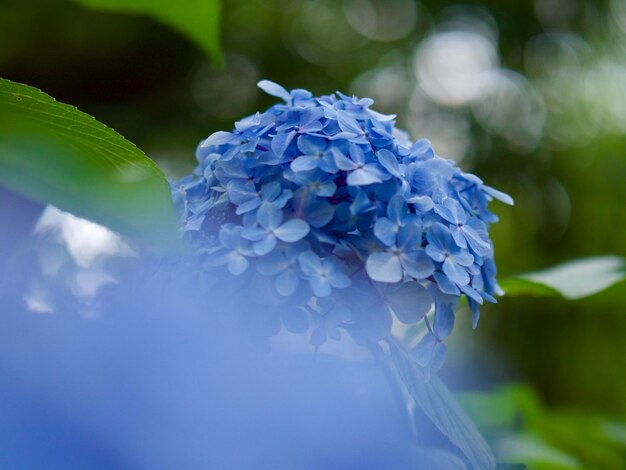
point(324, 192)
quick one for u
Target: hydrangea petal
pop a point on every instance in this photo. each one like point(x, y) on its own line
point(274, 89)
point(305, 163)
point(265, 245)
point(218, 138)
point(444, 320)
point(348, 124)
point(386, 231)
point(310, 263)
point(384, 267)
point(320, 286)
point(281, 142)
point(238, 264)
point(287, 282)
point(389, 161)
point(342, 162)
point(410, 302)
point(417, 264)
point(363, 177)
point(292, 231)
point(456, 273)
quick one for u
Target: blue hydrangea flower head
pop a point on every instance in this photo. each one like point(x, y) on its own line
point(325, 195)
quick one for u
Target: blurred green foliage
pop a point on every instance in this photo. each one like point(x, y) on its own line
point(527, 94)
point(197, 19)
point(521, 429)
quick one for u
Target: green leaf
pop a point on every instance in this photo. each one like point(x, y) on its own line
point(198, 20)
point(438, 404)
point(571, 280)
point(56, 154)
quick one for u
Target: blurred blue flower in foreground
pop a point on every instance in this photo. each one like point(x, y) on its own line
point(327, 191)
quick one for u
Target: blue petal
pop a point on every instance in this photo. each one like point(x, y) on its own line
point(410, 235)
point(310, 263)
point(499, 195)
point(295, 320)
point(410, 302)
point(328, 164)
point(248, 206)
point(281, 142)
point(272, 264)
point(320, 286)
point(237, 264)
point(270, 191)
point(248, 122)
point(422, 180)
point(421, 203)
point(435, 253)
point(287, 282)
point(422, 150)
point(356, 153)
point(254, 233)
point(362, 177)
point(417, 264)
point(219, 259)
point(457, 235)
point(474, 308)
point(397, 209)
point(319, 213)
point(386, 231)
point(455, 273)
point(389, 161)
point(446, 285)
point(193, 223)
point(439, 238)
point(281, 200)
point(423, 352)
point(311, 145)
point(305, 163)
point(384, 267)
point(480, 246)
point(341, 161)
point(339, 280)
point(269, 216)
point(452, 211)
point(292, 230)
point(472, 294)
point(309, 117)
point(274, 89)
point(334, 269)
point(444, 320)
point(463, 258)
point(325, 189)
point(264, 246)
point(218, 138)
point(240, 191)
point(348, 124)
